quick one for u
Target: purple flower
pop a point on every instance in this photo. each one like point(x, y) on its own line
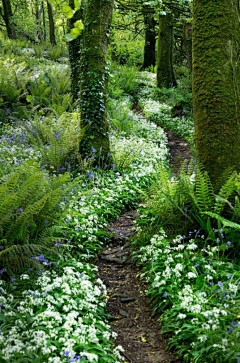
point(229, 331)
point(13, 279)
point(166, 294)
point(46, 222)
point(228, 243)
point(57, 135)
point(1, 331)
point(220, 283)
point(228, 275)
point(234, 323)
point(93, 150)
point(19, 210)
point(66, 353)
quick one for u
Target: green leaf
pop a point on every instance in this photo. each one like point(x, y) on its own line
point(225, 222)
point(79, 24)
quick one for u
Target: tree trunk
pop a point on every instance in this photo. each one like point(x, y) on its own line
point(150, 38)
point(216, 83)
point(51, 24)
point(74, 48)
point(94, 78)
point(7, 14)
point(187, 43)
point(44, 22)
point(165, 74)
point(38, 21)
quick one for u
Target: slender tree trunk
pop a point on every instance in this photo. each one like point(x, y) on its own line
point(216, 85)
point(150, 38)
point(38, 21)
point(74, 48)
point(165, 74)
point(51, 24)
point(94, 77)
point(44, 22)
point(7, 15)
point(187, 43)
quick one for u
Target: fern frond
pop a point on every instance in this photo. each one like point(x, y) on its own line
point(225, 192)
point(204, 191)
point(17, 257)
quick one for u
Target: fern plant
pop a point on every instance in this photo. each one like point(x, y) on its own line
point(29, 213)
point(179, 202)
point(57, 139)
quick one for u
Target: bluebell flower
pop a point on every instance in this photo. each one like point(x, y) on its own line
point(93, 150)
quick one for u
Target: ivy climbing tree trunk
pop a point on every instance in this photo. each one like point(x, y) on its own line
point(74, 49)
point(165, 74)
point(216, 85)
point(51, 24)
point(94, 78)
point(150, 38)
point(7, 17)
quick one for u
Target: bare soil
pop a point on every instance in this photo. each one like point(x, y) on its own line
point(138, 332)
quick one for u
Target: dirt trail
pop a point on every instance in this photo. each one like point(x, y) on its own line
point(138, 332)
point(179, 149)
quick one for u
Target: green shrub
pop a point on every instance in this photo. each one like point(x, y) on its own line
point(57, 139)
point(29, 213)
point(56, 52)
point(188, 201)
point(124, 81)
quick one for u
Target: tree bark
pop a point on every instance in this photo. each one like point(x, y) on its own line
point(150, 38)
point(187, 43)
point(51, 24)
point(74, 49)
point(165, 74)
point(44, 22)
point(94, 78)
point(216, 85)
point(7, 15)
point(38, 21)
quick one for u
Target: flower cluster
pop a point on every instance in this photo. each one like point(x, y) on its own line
point(200, 291)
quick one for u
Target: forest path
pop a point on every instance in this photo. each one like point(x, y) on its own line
point(138, 332)
point(179, 149)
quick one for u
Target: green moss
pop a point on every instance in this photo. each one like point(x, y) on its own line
point(165, 74)
point(94, 76)
point(216, 80)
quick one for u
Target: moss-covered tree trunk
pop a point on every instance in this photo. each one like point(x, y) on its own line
point(51, 24)
point(7, 17)
point(150, 38)
point(165, 74)
point(74, 49)
point(94, 78)
point(187, 43)
point(216, 85)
